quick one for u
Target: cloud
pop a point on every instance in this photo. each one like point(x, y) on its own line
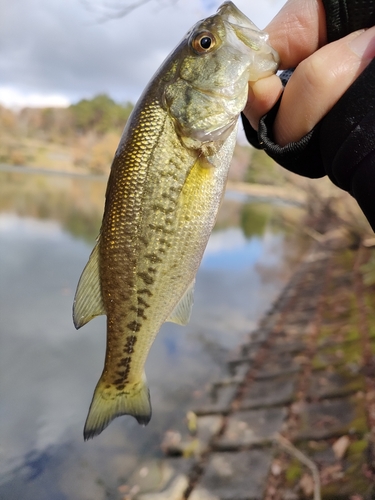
point(59, 48)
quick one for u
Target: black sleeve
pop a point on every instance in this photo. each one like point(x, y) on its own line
point(345, 16)
point(342, 144)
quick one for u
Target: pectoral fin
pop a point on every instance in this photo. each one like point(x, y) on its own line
point(182, 312)
point(88, 301)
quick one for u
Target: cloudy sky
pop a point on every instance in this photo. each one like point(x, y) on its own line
point(59, 51)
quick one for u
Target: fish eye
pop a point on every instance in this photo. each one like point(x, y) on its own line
point(204, 42)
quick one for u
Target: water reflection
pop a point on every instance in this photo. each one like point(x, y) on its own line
point(75, 202)
point(49, 370)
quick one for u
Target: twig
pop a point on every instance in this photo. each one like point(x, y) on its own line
point(292, 450)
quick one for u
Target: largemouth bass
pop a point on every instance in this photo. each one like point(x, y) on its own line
point(166, 183)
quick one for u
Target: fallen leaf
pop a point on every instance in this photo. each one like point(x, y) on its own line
point(331, 473)
point(307, 484)
point(276, 468)
point(340, 446)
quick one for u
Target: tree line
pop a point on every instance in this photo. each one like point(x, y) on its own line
point(99, 115)
point(89, 130)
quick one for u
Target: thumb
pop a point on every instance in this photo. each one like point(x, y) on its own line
point(297, 31)
point(318, 83)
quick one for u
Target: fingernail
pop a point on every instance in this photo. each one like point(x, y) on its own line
point(364, 44)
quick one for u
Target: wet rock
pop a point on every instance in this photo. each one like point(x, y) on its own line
point(248, 355)
point(239, 366)
point(297, 329)
point(158, 480)
point(260, 335)
point(239, 370)
point(332, 418)
point(239, 476)
point(271, 320)
point(208, 426)
point(320, 452)
point(173, 443)
point(254, 427)
point(285, 345)
point(174, 491)
point(278, 364)
point(196, 442)
point(342, 382)
point(218, 400)
point(274, 392)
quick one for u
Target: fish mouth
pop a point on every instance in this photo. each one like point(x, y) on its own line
point(247, 31)
point(230, 13)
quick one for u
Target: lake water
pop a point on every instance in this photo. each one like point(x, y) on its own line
point(48, 370)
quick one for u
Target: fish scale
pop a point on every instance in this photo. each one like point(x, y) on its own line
point(157, 235)
point(165, 187)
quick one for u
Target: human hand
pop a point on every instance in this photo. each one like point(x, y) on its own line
point(323, 71)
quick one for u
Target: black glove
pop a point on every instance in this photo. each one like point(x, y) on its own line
point(342, 144)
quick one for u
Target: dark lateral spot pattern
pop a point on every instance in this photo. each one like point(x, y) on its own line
point(169, 174)
point(134, 326)
point(124, 362)
point(143, 240)
point(143, 303)
point(160, 228)
point(170, 197)
point(129, 346)
point(153, 257)
point(165, 242)
point(141, 314)
point(147, 278)
point(164, 210)
point(123, 374)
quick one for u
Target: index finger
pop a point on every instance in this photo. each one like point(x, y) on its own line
point(297, 31)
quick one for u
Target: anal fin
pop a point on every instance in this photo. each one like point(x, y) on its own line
point(88, 301)
point(182, 312)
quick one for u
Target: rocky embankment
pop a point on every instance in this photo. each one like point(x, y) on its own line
point(295, 416)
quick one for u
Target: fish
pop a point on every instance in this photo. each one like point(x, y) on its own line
point(164, 189)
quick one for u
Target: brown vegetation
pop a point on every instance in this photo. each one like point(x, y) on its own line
point(82, 137)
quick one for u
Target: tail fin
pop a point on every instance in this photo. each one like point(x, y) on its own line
point(109, 403)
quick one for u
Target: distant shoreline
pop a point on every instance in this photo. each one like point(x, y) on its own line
point(49, 171)
point(295, 196)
